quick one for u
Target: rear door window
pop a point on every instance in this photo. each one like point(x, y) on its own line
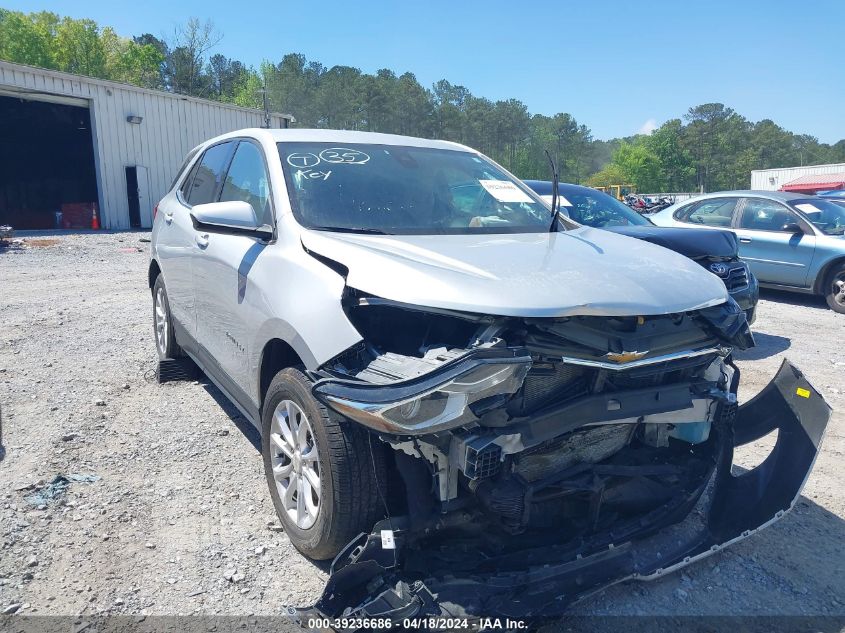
point(207, 178)
point(713, 212)
point(760, 214)
point(247, 181)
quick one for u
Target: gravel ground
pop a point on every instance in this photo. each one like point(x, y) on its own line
point(179, 521)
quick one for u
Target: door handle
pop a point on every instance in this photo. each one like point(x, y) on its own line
point(202, 240)
point(745, 240)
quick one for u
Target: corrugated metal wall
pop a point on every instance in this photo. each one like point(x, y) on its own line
point(172, 125)
point(774, 179)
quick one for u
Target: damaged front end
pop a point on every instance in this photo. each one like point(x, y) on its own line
point(539, 460)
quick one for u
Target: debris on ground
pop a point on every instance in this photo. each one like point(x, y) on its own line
point(57, 487)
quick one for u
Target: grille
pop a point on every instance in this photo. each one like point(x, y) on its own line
point(660, 373)
point(735, 277)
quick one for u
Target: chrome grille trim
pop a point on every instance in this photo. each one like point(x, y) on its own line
point(722, 351)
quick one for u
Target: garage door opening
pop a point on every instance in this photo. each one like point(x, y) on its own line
point(47, 160)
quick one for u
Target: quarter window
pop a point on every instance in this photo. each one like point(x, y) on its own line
point(186, 185)
point(712, 212)
point(182, 169)
point(205, 183)
point(759, 214)
point(247, 181)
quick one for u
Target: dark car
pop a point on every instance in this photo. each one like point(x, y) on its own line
point(716, 250)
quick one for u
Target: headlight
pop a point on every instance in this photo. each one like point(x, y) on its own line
point(430, 403)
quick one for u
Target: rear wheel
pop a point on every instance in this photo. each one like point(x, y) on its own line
point(323, 471)
point(835, 289)
point(166, 344)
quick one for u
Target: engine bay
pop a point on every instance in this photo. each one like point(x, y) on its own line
point(560, 429)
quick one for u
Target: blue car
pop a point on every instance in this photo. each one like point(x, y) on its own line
point(715, 250)
point(790, 241)
point(836, 193)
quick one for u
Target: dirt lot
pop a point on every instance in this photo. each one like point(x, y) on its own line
point(179, 520)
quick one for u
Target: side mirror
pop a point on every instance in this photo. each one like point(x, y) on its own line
point(233, 217)
point(792, 227)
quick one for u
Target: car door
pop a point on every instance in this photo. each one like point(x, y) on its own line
point(228, 307)
point(174, 243)
point(201, 186)
point(775, 255)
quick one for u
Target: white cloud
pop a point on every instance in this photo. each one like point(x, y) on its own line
point(648, 127)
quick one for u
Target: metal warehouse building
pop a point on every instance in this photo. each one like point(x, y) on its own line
point(68, 143)
point(808, 179)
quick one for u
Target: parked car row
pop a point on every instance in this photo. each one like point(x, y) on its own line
point(790, 241)
point(478, 408)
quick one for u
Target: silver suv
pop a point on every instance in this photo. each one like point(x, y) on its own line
point(451, 383)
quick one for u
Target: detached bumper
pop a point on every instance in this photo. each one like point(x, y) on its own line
point(370, 582)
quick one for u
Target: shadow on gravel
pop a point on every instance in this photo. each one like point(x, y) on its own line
point(251, 434)
point(794, 298)
point(767, 345)
point(802, 552)
point(244, 425)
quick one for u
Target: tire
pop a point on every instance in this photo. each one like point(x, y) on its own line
point(349, 465)
point(165, 339)
point(834, 289)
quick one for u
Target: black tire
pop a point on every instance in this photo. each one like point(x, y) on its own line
point(834, 289)
point(351, 465)
point(166, 345)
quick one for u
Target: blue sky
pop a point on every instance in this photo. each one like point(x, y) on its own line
point(618, 67)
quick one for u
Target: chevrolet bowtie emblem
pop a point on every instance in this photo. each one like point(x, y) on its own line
point(625, 357)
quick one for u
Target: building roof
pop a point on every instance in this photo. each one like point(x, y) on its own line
point(109, 83)
point(815, 182)
point(803, 169)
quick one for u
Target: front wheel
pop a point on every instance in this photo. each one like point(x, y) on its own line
point(323, 471)
point(835, 289)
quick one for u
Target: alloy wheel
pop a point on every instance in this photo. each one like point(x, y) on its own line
point(295, 463)
point(161, 321)
point(839, 288)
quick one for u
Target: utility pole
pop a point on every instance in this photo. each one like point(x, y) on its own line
point(263, 93)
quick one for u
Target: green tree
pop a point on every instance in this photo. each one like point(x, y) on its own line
point(185, 60)
point(676, 165)
point(610, 174)
point(130, 62)
point(79, 49)
point(449, 103)
point(639, 166)
point(28, 39)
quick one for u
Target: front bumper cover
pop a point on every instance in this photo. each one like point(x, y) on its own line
point(368, 581)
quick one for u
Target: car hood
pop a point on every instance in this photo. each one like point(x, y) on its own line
point(693, 243)
point(583, 271)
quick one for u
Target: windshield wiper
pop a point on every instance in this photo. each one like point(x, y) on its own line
point(350, 229)
point(555, 183)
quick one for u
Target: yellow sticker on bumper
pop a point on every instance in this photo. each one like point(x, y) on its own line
point(804, 393)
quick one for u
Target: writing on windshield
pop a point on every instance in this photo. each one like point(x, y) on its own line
point(405, 190)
